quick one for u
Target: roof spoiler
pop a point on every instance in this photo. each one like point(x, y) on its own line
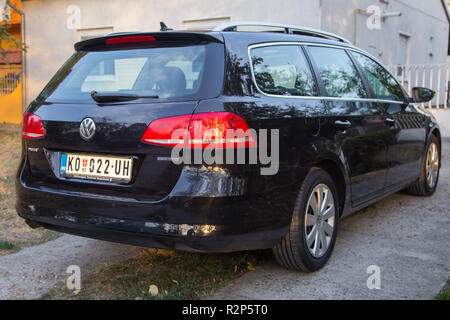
point(140, 38)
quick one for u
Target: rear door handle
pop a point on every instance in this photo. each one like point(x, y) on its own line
point(390, 121)
point(342, 125)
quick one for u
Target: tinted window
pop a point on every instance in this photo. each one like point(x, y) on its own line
point(282, 70)
point(173, 73)
point(383, 84)
point(338, 73)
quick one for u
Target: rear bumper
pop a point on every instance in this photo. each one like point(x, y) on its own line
point(190, 218)
point(221, 243)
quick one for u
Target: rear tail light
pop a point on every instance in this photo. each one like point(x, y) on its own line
point(167, 131)
point(220, 130)
point(32, 127)
point(202, 130)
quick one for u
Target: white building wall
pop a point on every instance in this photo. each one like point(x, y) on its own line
point(420, 20)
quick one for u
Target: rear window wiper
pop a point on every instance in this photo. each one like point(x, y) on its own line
point(117, 97)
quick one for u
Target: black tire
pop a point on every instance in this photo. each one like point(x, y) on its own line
point(292, 252)
point(421, 187)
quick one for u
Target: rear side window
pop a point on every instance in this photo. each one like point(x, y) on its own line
point(338, 73)
point(282, 70)
point(383, 84)
point(176, 73)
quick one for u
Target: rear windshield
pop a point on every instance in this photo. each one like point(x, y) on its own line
point(177, 73)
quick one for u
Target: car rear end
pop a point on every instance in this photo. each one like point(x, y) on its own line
point(97, 151)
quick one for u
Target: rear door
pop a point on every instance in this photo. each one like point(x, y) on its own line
point(355, 122)
point(407, 134)
point(169, 76)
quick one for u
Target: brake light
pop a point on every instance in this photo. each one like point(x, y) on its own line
point(204, 130)
point(32, 127)
point(129, 39)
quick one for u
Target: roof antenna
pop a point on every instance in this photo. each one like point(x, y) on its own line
point(164, 27)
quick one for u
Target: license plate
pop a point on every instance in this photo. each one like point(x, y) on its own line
point(103, 168)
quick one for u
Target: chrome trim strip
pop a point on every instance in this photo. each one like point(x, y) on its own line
point(296, 43)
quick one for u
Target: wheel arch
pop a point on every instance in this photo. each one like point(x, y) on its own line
point(336, 170)
point(437, 133)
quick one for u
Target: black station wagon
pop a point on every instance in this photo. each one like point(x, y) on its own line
point(341, 133)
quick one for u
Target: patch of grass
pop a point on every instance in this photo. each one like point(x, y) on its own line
point(177, 275)
point(444, 294)
point(6, 245)
point(48, 235)
point(13, 228)
point(45, 296)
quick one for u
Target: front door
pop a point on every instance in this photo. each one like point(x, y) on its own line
point(406, 139)
point(406, 143)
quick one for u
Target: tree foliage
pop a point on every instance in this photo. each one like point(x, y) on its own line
point(7, 40)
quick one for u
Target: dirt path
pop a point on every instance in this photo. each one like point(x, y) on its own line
point(33, 271)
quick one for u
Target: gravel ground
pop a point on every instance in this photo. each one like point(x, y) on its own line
point(407, 237)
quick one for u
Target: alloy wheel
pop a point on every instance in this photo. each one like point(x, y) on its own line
point(319, 220)
point(432, 165)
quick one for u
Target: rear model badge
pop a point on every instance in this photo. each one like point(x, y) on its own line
point(87, 129)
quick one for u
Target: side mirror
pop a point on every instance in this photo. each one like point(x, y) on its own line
point(420, 94)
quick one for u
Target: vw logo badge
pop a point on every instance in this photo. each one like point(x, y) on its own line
point(87, 129)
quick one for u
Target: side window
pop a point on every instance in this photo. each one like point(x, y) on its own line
point(282, 70)
point(382, 82)
point(338, 73)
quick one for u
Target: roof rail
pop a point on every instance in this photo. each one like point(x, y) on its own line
point(232, 26)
